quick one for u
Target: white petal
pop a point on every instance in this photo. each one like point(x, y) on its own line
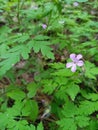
point(73, 56)
point(70, 64)
point(73, 69)
point(80, 63)
point(79, 57)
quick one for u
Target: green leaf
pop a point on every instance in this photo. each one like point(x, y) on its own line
point(20, 38)
point(8, 62)
point(16, 94)
point(41, 38)
point(82, 0)
point(90, 70)
point(9, 115)
point(42, 46)
point(3, 49)
point(46, 51)
point(73, 116)
point(63, 72)
point(30, 109)
point(11, 57)
point(90, 96)
point(88, 107)
point(67, 124)
point(12, 118)
point(93, 125)
point(49, 86)
point(25, 52)
point(31, 127)
point(32, 88)
point(40, 126)
point(4, 120)
point(70, 109)
point(82, 121)
point(15, 110)
point(57, 65)
point(73, 90)
point(18, 125)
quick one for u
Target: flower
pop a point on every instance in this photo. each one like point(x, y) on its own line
point(75, 3)
point(44, 26)
point(75, 62)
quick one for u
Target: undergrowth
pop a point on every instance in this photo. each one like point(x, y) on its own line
point(48, 65)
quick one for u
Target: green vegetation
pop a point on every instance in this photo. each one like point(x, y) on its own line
point(48, 65)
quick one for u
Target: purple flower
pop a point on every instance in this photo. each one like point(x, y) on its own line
point(44, 26)
point(75, 3)
point(75, 62)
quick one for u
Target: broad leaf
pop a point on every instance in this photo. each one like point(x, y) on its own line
point(73, 90)
point(30, 109)
point(32, 88)
point(16, 94)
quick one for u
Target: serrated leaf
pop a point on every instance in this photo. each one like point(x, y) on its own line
point(72, 114)
point(69, 110)
point(67, 124)
point(63, 72)
point(41, 37)
point(3, 49)
point(15, 110)
point(42, 46)
point(18, 125)
point(50, 55)
point(25, 52)
point(4, 120)
point(57, 65)
point(12, 56)
point(88, 107)
point(90, 96)
point(91, 70)
point(93, 125)
point(46, 51)
point(20, 38)
point(8, 63)
point(31, 127)
point(82, 121)
point(49, 86)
